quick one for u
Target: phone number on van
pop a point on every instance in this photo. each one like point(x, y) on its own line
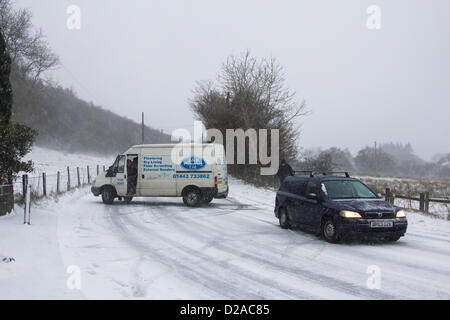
point(191, 176)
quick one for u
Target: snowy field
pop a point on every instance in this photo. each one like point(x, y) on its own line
point(51, 162)
point(412, 187)
point(156, 248)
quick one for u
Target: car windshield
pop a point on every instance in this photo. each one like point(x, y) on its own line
point(346, 189)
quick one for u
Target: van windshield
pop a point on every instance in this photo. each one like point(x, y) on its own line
point(347, 189)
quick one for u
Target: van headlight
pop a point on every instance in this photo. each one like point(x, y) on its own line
point(349, 214)
point(401, 214)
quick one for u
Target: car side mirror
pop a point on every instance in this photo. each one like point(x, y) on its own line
point(312, 196)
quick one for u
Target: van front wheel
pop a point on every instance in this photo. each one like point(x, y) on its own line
point(108, 195)
point(192, 197)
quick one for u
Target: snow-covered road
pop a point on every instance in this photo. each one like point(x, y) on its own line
point(157, 248)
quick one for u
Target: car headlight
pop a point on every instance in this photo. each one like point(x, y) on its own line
point(401, 214)
point(349, 214)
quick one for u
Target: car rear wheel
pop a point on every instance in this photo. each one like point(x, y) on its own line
point(283, 218)
point(108, 195)
point(192, 197)
point(329, 231)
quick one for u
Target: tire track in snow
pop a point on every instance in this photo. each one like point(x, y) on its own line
point(219, 267)
point(294, 272)
point(206, 280)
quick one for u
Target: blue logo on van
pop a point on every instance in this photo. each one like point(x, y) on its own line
point(193, 163)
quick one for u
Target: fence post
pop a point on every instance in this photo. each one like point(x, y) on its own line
point(104, 169)
point(78, 176)
point(68, 178)
point(28, 201)
point(44, 184)
point(427, 202)
point(25, 191)
point(98, 170)
point(57, 182)
point(422, 202)
point(387, 195)
point(88, 175)
point(24, 184)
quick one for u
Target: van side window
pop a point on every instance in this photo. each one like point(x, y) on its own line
point(121, 164)
point(311, 187)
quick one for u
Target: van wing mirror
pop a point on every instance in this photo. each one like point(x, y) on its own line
point(111, 172)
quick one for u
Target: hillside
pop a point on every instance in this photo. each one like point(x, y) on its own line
point(66, 122)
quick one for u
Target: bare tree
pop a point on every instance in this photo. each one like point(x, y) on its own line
point(250, 93)
point(30, 53)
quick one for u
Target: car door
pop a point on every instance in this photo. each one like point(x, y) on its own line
point(296, 201)
point(312, 208)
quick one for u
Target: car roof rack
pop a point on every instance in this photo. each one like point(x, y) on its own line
point(304, 172)
point(334, 172)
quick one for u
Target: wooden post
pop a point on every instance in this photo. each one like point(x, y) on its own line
point(57, 182)
point(44, 184)
point(88, 175)
point(28, 201)
point(98, 169)
point(387, 195)
point(24, 184)
point(25, 190)
point(104, 169)
point(78, 176)
point(68, 178)
point(427, 202)
point(422, 202)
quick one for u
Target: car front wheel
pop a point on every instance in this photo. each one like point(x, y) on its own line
point(329, 231)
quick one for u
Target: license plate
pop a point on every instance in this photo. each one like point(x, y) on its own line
point(381, 224)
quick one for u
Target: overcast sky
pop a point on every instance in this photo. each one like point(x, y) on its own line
point(361, 85)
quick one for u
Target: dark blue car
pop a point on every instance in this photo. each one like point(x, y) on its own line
point(338, 208)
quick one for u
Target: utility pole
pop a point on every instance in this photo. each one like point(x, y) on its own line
point(142, 128)
point(376, 158)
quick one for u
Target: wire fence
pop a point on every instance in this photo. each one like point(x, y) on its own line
point(43, 184)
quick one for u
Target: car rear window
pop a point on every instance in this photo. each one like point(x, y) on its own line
point(346, 189)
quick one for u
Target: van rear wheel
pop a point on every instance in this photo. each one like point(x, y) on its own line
point(128, 199)
point(192, 197)
point(208, 200)
point(108, 195)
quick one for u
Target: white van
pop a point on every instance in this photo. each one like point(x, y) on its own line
point(195, 172)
